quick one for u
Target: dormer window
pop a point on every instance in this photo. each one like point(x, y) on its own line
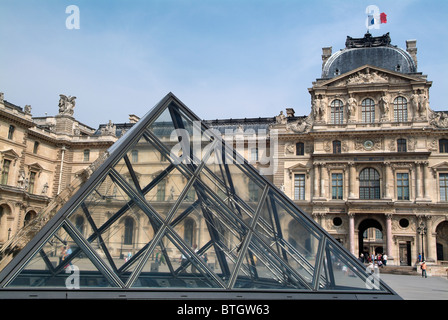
point(337, 72)
point(398, 68)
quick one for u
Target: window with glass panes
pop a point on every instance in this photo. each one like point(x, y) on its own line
point(337, 112)
point(336, 186)
point(401, 145)
point(368, 110)
point(400, 109)
point(299, 187)
point(369, 184)
point(5, 171)
point(402, 186)
point(443, 186)
point(443, 145)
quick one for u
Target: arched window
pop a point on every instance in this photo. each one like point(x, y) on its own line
point(400, 109)
point(128, 230)
point(337, 112)
point(368, 110)
point(369, 184)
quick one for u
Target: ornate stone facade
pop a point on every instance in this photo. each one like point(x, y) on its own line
point(369, 162)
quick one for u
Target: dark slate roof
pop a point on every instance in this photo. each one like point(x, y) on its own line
point(375, 51)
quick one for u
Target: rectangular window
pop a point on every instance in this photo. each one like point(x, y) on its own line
point(336, 185)
point(254, 154)
point(402, 186)
point(11, 132)
point(32, 182)
point(36, 147)
point(443, 186)
point(5, 171)
point(161, 190)
point(253, 191)
point(86, 155)
point(134, 156)
point(401, 145)
point(299, 187)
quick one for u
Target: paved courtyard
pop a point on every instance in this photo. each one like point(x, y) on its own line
point(411, 287)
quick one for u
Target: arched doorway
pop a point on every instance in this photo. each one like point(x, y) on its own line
point(370, 237)
point(442, 241)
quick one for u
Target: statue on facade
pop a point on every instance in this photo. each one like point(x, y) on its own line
point(45, 188)
point(109, 129)
point(281, 118)
point(318, 108)
point(66, 104)
point(352, 104)
point(27, 109)
point(384, 107)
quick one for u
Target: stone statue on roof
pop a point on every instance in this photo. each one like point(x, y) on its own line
point(66, 104)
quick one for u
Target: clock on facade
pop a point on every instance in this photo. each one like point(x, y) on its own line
point(368, 144)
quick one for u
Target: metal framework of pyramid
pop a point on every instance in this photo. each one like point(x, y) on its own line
point(158, 220)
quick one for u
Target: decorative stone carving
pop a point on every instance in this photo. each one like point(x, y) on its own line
point(27, 109)
point(281, 118)
point(438, 119)
point(289, 148)
point(301, 125)
point(66, 104)
point(109, 129)
point(360, 144)
point(362, 78)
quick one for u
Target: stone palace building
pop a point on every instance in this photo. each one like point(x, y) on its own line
point(369, 162)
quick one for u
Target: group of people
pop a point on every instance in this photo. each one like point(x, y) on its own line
point(380, 258)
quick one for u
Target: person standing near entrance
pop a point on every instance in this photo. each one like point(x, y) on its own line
point(423, 267)
point(384, 259)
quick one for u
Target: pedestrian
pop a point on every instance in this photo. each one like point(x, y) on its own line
point(385, 259)
point(423, 267)
point(419, 257)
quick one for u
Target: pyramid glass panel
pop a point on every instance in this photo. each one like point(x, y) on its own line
point(174, 266)
point(61, 262)
point(175, 207)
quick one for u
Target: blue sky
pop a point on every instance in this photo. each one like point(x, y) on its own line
point(222, 58)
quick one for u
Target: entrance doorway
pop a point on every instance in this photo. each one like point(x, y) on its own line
point(442, 241)
point(370, 237)
point(405, 253)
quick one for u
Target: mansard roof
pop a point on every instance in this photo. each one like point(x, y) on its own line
point(375, 51)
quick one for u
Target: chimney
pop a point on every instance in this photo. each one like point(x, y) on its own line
point(326, 53)
point(411, 48)
point(133, 118)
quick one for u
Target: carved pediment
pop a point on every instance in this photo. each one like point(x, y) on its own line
point(298, 167)
point(9, 154)
point(368, 75)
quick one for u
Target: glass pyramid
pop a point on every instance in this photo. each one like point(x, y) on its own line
point(159, 218)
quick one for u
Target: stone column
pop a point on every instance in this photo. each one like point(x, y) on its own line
point(351, 232)
point(316, 180)
point(352, 177)
point(426, 178)
point(323, 177)
point(389, 235)
point(386, 180)
point(418, 180)
point(430, 241)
